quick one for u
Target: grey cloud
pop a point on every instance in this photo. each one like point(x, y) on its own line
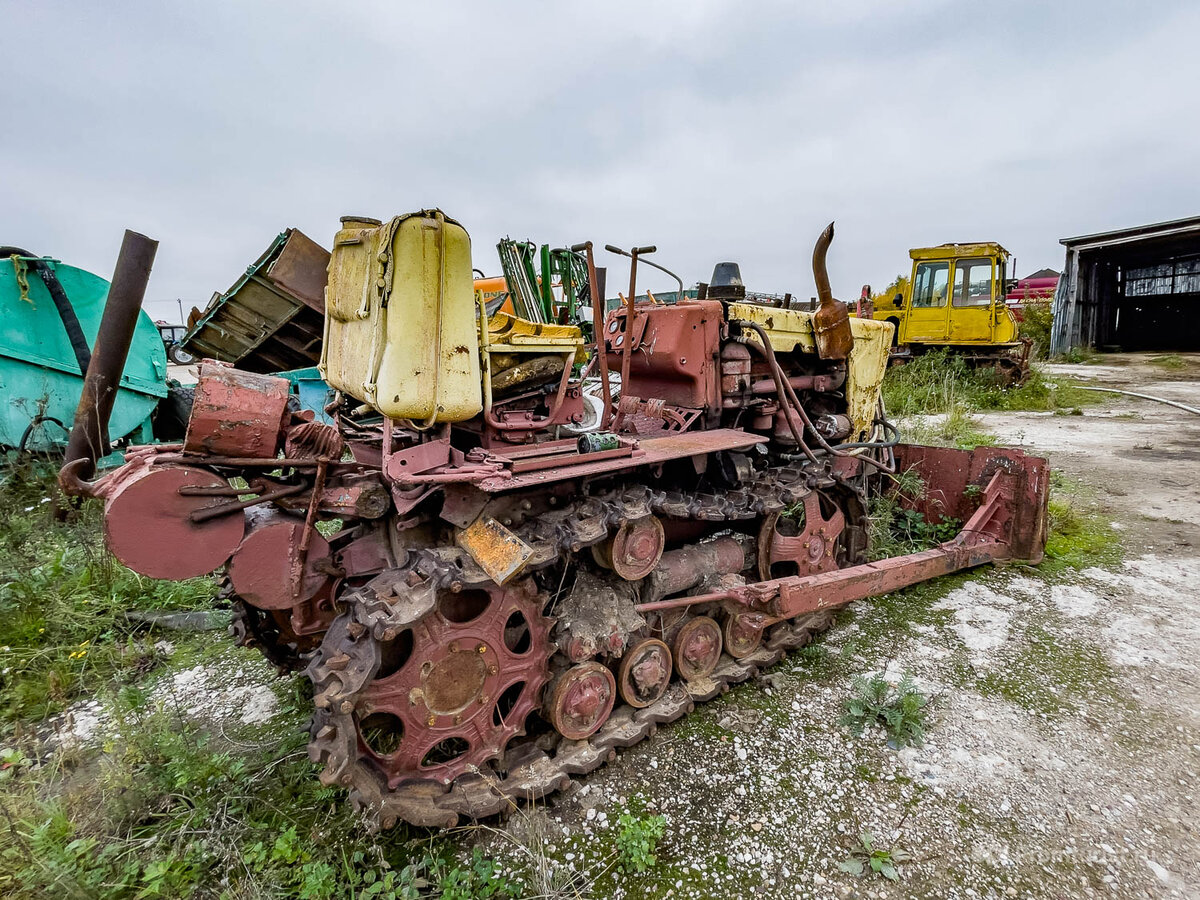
point(713, 129)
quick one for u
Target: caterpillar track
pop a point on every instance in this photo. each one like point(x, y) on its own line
point(532, 765)
point(486, 607)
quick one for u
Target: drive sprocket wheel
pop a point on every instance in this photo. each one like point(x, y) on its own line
point(803, 540)
point(432, 701)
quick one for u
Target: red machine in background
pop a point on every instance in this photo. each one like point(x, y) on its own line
point(1036, 288)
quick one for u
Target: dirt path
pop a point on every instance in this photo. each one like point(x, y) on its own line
point(1063, 750)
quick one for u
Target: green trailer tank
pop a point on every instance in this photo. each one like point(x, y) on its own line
point(41, 368)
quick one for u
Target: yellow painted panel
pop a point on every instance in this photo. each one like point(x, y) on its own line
point(864, 376)
point(790, 329)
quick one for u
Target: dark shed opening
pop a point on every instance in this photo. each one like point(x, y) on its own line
point(1134, 289)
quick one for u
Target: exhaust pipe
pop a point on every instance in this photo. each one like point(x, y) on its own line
point(831, 321)
point(89, 435)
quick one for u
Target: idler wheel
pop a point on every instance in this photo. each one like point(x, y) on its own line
point(644, 673)
point(637, 547)
point(805, 541)
point(581, 700)
point(147, 523)
point(743, 634)
point(697, 648)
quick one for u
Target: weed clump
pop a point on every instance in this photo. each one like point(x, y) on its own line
point(901, 709)
point(1036, 324)
point(896, 528)
point(637, 840)
point(867, 857)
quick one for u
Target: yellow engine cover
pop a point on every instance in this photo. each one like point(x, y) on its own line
point(401, 330)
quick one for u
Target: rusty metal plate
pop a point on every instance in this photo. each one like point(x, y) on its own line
point(272, 318)
point(498, 551)
point(300, 269)
point(147, 524)
point(266, 571)
point(650, 451)
point(955, 479)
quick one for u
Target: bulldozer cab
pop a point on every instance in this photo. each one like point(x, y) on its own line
point(956, 296)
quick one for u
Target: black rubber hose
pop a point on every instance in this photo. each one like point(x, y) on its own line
point(783, 384)
point(66, 312)
point(34, 423)
point(882, 445)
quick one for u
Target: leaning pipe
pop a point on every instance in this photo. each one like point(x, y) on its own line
point(89, 436)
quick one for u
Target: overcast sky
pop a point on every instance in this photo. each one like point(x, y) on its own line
point(716, 130)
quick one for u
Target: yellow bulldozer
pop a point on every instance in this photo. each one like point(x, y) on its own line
point(955, 299)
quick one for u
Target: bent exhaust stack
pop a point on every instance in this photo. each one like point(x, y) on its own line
point(831, 321)
point(89, 434)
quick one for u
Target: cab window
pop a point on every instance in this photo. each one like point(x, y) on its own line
point(929, 286)
point(973, 282)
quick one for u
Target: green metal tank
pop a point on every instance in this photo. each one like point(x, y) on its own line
point(40, 377)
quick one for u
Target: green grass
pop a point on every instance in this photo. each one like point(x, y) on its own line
point(1078, 536)
point(1172, 361)
point(169, 810)
point(63, 599)
point(937, 396)
point(164, 806)
point(942, 382)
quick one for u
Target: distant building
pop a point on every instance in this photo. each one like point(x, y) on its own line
point(1132, 289)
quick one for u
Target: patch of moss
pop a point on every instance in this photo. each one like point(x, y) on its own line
point(1051, 673)
point(1078, 538)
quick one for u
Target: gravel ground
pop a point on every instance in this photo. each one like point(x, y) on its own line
point(1064, 737)
point(1063, 745)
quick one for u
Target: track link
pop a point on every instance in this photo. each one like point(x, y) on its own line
point(536, 768)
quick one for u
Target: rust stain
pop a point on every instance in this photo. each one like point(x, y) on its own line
point(497, 550)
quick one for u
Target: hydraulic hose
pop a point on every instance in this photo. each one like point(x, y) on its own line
point(789, 398)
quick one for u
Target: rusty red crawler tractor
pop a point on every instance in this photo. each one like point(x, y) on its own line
point(500, 608)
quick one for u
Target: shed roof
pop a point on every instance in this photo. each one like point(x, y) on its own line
point(1137, 233)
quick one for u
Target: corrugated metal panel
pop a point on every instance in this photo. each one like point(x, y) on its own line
point(272, 319)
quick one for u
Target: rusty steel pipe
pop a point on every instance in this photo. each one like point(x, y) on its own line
point(684, 568)
point(831, 321)
point(89, 435)
point(630, 303)
point(801, 383)
point(820, 273)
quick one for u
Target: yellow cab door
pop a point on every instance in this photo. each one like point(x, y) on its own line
point(927, 318)
point(971, 300)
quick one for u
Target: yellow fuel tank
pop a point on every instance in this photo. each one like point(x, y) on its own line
point(401, 328)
